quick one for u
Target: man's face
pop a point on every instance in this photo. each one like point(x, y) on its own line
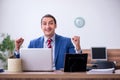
point(48, 26)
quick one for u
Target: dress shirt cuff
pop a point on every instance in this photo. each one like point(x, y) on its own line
point(79, 51)
point(16, 54)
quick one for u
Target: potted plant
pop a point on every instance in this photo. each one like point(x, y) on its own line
point(6, 50)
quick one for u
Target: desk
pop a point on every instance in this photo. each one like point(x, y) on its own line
point(57, 75)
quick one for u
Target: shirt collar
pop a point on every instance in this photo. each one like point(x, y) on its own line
point(53, 38)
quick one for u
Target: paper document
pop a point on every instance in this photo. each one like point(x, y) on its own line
point(101, 71)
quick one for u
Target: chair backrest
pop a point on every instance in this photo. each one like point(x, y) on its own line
point(105, 64)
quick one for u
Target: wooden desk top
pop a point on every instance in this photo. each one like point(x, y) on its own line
point(56, 75)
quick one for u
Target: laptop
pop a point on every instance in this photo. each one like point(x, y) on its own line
point(75, 62)
point(36, 59)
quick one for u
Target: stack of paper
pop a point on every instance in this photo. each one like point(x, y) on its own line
point(117, 71)
point(101, 71)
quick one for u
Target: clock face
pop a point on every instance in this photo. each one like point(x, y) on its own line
point(79, 22)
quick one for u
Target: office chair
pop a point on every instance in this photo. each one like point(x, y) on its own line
point(105, 64)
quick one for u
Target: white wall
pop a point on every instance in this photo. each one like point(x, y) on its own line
point(21, 18)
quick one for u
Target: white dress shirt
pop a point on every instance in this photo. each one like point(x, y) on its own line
point(53, 47)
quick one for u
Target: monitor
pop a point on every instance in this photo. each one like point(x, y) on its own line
point(99, 53)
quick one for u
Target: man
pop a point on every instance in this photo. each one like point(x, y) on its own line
point(60, 45)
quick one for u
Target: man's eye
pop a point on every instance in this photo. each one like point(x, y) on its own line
point(51, 23)
point(43, 23)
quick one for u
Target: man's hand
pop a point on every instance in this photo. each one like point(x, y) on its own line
point(18, 43)
point(76, 41)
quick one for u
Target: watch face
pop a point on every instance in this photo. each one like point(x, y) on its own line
point(79, 22)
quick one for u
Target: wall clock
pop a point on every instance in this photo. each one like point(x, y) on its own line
point(79, 22)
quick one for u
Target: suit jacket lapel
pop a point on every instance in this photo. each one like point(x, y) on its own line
point(41, 42)
point(57, 47)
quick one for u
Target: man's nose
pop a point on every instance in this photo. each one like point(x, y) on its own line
point(48, 26)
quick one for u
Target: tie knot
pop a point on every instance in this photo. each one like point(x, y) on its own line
point(49, 40)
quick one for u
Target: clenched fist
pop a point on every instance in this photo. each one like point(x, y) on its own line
point(18, 43)
point(76, 41)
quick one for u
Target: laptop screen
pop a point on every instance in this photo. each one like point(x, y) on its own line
point(99, 53)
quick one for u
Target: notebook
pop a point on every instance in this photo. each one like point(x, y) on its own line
point(75, 62)
point(36, 59)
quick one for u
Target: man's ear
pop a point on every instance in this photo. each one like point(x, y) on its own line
point(55, 25)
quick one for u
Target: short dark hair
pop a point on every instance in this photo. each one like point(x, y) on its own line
point(49, 15)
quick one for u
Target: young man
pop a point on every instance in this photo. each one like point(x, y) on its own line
point(60, 45)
